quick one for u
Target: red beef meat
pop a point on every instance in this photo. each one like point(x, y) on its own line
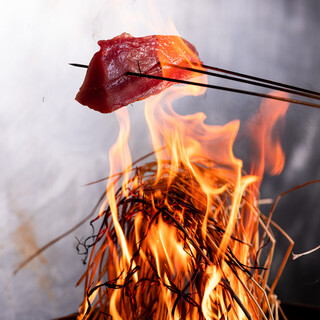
point(107, 87)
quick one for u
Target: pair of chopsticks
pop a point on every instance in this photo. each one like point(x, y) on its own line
point(238, 77)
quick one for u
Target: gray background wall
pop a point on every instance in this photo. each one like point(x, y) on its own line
point(51, 146)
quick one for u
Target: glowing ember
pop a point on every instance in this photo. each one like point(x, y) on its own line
point(179, 236)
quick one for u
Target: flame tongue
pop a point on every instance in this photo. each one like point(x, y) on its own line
point(205, 153)
point(266, 147)
point(177, 51)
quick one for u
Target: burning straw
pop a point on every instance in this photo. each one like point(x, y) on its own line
point(173, 266)
point(182, 237)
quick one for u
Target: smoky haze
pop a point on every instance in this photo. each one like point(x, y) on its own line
point(51, 146)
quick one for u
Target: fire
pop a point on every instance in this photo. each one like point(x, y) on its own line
point(179, 238)
point(267, 149)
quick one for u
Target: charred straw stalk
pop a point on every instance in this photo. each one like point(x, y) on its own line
point(136, 288)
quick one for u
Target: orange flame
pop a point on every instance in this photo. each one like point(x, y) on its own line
point(267, 150)
point(189, 141)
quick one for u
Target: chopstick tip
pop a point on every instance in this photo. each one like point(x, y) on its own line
point(79, 65)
